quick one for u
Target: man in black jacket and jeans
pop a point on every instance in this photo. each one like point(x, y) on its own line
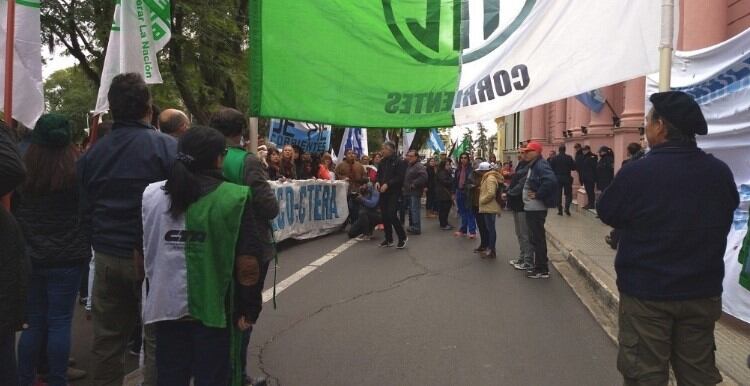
point(391, 173)
point(14, 264)
point(673, 236)
point(563, 164)
point(113, 175)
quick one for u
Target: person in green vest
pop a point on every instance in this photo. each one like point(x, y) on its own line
point(201, 256)
point(243, 168)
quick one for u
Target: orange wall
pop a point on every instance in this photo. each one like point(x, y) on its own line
point(739, 16)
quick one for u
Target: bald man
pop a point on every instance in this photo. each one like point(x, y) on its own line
point(173, 122)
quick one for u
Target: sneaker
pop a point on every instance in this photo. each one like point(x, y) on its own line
point(472, 236)
point(538, 275)
point(446, 228)
point(413, 231)
point(74, 374)
point(364, 237)
point(515, 262)
point(459, 234)
point(386, 244)
point(567, 212)
point(523, 267)
point(402, 243)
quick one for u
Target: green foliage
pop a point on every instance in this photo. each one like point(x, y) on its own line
point(468, 140)
point(70, 93)
point(204, 65)
point(482, 143)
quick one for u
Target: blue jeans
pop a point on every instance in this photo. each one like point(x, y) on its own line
point(52, 295)
point(468, 221)
point(488, 222)
point(415, 222)
point(186, 349)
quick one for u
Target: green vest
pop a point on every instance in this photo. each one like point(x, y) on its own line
point(210, 264)
point(234, 165)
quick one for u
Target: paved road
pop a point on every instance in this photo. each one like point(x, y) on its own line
point(433, 314)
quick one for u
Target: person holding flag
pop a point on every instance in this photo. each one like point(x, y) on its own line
point(202, 257)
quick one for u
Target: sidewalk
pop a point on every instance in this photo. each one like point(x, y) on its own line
point(588, 266)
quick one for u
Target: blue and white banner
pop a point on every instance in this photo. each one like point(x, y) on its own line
point(593, 99)
point(309, 208)
point(435, 142)
point(718, 77)
point(356, 139)
point(311, 137)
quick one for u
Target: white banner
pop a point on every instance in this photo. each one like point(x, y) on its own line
point(309, 208)
point(141, 28)
point(539, 51)
point(718, 77)
point(28, 92)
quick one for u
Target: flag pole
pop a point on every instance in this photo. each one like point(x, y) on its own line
point(253, 135)
point(10, 39)
point(666, 47)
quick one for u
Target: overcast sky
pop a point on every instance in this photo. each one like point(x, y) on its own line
point(55, 62)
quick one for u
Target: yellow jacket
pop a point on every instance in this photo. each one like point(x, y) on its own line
point(491, 181)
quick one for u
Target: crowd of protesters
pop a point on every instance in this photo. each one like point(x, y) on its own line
point(91, 222)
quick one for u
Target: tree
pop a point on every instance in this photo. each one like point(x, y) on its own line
point(468, 139)
point(203, 66)
point(482, 142)
point(69, 92)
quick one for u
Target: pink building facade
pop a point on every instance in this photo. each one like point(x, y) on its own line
point(702, 23)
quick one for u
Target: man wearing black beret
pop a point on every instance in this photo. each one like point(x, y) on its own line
point(673, 210)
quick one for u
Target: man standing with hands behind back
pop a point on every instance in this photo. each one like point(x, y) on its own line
point(670, 261)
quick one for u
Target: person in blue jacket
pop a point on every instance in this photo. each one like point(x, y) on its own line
point(673, 210)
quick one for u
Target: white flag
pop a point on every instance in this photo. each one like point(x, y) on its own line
point(28, 90)
point(408, 138)
point(141, 28)
point(540, 51)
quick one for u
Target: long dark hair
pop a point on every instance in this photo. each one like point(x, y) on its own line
point(197, 151)
point(49, 169)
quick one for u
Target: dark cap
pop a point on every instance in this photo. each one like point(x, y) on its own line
point(681, 111)
point(53, 130)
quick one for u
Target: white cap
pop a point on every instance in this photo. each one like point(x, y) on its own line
point(483, 167)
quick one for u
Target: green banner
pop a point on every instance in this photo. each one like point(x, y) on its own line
point(367, 63)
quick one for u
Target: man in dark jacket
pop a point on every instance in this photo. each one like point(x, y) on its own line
point(563, 164)
point(673, 236)
point(415, 180)
point(539, 193)
point(14, 265)
point(578, 157)
point(113, 175)
point(587, 174)
point(390, 183)
point(605, 168)
point(635, 152)
point(243, 168)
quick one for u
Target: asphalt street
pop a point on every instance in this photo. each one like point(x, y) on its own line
point(432, 314)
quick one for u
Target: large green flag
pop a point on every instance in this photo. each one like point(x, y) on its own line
point(337, 61)
point(436, 63)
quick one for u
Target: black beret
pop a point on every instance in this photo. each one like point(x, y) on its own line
point(681, 111)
